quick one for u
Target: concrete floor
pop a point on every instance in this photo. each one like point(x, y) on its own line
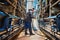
point(22, 36)
point(28, 37)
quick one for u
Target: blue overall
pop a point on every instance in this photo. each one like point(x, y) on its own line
point(28, 26)
point(27, 23)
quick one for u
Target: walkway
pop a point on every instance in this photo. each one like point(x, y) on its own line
point(38, 34)
point(28, 37)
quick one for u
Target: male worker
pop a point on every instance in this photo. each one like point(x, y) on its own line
point(28, 21)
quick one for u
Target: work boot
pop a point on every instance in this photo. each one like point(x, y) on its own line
point(32, 34)
point(26, 33)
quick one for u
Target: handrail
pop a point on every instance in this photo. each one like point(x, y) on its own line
point(54, 3)
point(48, 35)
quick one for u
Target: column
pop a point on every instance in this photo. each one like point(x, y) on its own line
point(29, 5)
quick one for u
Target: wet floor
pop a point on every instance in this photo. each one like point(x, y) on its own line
point(22, 36)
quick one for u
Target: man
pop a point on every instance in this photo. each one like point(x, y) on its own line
point(28, 21)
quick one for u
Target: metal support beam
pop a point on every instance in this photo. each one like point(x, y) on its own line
point(11, 3)
point(41, 7)
point(50, 7)
point(54, 4)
